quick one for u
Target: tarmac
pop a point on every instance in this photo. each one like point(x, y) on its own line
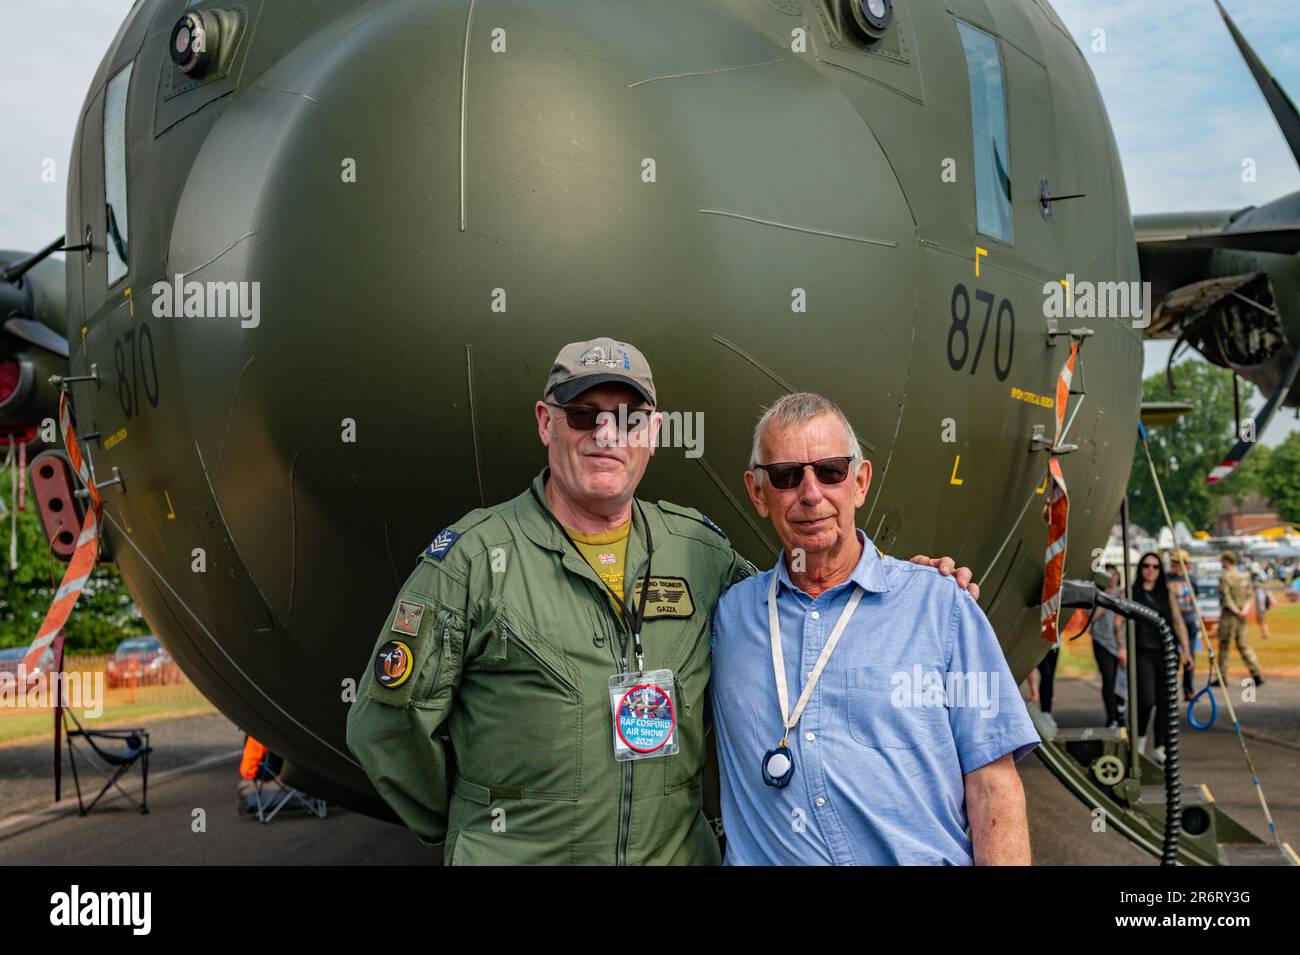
point(195, 767)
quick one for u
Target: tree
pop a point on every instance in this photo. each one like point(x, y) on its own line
point(1251, 476)
point(1187, 450)
point(1281, 480)
point(105, 612)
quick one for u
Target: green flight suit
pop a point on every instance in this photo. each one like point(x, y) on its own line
point(515, 644)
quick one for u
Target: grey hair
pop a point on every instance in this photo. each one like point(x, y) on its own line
point(796, 409)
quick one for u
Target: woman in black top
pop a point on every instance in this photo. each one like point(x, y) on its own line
point(1152, 590)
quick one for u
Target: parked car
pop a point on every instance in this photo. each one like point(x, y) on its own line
point(138, 661)
point(1207, 573)
point(11, 657)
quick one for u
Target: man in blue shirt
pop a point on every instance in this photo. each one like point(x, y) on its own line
point(895, 740)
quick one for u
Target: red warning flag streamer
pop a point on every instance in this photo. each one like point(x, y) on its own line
point(1056, 511)
point(74, 580)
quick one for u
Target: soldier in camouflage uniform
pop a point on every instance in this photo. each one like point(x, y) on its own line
point(1235, 595)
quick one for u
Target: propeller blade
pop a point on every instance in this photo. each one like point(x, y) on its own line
point(1284, 111)
point(42, 336)
point(1242, 447)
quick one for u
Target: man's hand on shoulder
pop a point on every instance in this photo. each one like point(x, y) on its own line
point(948, 568)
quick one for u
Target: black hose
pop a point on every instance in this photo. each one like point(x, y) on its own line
point(1079, 593)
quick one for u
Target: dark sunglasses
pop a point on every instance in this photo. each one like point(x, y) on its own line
point(1150, 566)
point(587, 418)
point(787, 474)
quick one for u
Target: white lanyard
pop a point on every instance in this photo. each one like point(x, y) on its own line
point(778, 658)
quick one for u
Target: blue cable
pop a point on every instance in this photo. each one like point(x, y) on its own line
point(1191, 708)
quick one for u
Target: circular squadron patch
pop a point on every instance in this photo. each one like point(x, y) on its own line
point(393, 664)
point(646, 718)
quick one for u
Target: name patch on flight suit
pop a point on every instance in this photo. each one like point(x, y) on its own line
point(667, 597)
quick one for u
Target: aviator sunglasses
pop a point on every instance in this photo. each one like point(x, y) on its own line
point(785, 475)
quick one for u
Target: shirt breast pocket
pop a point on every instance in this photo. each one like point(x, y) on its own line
point(885, 711)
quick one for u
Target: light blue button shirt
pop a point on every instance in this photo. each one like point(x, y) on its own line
point(916, 694)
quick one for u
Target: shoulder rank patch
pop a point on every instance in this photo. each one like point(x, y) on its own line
point(667, 597)
point(393, 664)
point(407, 619)
point(694, 515)
point(444, 542)
point(712, 526)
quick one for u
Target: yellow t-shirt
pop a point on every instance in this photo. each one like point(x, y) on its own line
point(606, 553)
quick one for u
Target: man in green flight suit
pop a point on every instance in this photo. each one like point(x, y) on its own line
point(504, 639)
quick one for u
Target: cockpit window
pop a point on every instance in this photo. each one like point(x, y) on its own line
point(988, 109)
point(115, 173)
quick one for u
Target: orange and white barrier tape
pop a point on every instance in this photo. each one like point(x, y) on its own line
point(83, 558)
point(1056, 511)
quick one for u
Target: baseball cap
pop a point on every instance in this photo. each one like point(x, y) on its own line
point(583, 365)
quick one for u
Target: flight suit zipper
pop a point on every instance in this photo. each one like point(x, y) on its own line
point(442, 649)
point(625, 806)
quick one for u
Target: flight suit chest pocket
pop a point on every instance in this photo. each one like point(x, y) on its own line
point(515, 647)
point(524, 712)
point(884, 709)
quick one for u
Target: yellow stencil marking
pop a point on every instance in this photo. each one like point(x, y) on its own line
point(978, 253)
point(955, 479)
point(115, 439)
point(1042, 487)
point(130, 301)
point(1030, 398)
point(171, 511)
point(1066, 283)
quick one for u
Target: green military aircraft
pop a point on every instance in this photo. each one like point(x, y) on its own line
point(1228, 282)
point(320, 256)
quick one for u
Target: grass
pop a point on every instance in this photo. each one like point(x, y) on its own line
point(1279, 655)
point(32, 725)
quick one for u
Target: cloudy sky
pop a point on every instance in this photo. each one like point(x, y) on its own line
point(1185, 110)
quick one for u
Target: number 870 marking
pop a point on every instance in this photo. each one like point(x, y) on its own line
point(960, 327)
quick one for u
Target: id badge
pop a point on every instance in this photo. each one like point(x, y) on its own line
point(644, 706)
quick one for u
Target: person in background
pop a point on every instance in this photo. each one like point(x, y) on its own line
point(1152, 590)
point(1235, 595)
point(1182, 590)
point(1263, 603)
point(1107, 631)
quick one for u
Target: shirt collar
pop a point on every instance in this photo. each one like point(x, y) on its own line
point(868, 572)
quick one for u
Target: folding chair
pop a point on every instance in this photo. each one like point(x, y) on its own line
point(270, 793)
point(137, 750)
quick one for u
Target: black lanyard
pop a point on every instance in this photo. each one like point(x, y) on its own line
point(636, 618)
